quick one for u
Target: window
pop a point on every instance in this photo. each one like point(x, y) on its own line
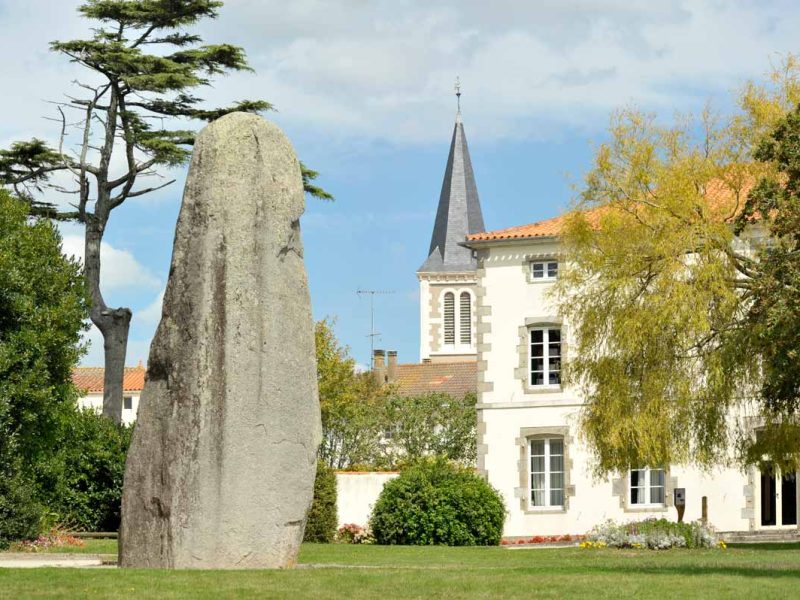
point(465, 318)
point(544, 269)
point(449, 318)
point(545, 348)
point(647, 487)
point(127, 402)
point(457, 319)
point(547, 472)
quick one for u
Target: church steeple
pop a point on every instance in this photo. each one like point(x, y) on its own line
point(459, 213)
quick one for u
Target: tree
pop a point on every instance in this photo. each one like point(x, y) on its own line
point(352, 405)
point(322, 517)
point(81, 483)
point(367, 425)
point(142, 69)
point(42, 309)
point(430, 425)
point(773, 316)
point(676, 297)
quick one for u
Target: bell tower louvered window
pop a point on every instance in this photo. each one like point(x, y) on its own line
point(449, 318)
point(465, 318)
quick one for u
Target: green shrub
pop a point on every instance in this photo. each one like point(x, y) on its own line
point(20, 514)
point(82, 485)
point(321, 523)
point(437, 502)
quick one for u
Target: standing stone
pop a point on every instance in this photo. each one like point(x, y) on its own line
point(220, 473)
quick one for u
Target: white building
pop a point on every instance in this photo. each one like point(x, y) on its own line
point(528, 446)
point(89, 382)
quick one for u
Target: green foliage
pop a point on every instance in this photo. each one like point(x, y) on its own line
point(149, 68)
point(676, 321)
point(437, 502)
point(430, 425)
point(351, 405)
point(366, 426)
point(20, 513)
point(82, 484)
point(773, 318)
point(322, 519)
point(42, 307)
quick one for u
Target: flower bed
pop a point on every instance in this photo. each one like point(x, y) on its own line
point(653, 534)
point(56, 538)
point(542, 539)
point(350, 533)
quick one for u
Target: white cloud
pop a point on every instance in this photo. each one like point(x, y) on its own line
point(94, 355)
point(360, 368)
point(138, 350)
point(150, 315)
point(118, 268)
point(384, 69)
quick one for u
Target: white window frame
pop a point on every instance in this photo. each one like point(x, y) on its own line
point(547, 473)
point(124, 402)
point(548, 271)
point(545, 356)
point(648, 488)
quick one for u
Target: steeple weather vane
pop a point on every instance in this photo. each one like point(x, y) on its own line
point(458, 93)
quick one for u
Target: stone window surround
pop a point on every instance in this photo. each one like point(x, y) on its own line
point(526, 434)
point(539, 257)
point(620, 487)
point(437, 283)
point(522, 372)
point(437, 309)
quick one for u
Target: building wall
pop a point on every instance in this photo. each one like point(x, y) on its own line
point(95, 401)
point(357, 494)
point(432, 290)
point(590, 501)
point(510, 410)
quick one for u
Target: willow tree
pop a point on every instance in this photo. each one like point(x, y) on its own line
point(670, 292)
point(142, 71)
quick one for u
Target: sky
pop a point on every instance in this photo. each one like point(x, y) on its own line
point(364, 89)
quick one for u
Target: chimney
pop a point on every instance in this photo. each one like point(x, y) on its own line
point(379, 366)
point(391, 369)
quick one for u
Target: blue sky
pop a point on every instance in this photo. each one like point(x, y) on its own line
point(365, 92)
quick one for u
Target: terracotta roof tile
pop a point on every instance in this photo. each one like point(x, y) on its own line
point(454, 378)
point(720, 200)
point(547, 228)
point(90, 379)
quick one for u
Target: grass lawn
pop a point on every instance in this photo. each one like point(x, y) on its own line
point(337, 571)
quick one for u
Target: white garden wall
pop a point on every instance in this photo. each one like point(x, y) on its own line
point(357, 493)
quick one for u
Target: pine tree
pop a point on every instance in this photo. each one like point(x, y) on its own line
point(143, 70)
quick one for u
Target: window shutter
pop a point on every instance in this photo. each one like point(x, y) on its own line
point(449, 318)
point(465, 318)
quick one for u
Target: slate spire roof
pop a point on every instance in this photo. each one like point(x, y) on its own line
point(459, 212)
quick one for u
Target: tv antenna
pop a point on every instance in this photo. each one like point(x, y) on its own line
point(372, 333)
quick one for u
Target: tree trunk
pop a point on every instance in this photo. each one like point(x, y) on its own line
point(113, 323)
point(116, 323)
